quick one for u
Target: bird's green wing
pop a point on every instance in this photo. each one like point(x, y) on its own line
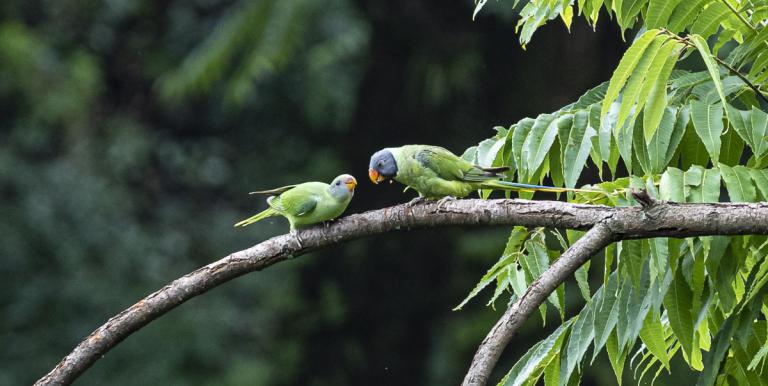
point(295, 202)
point(451, 167)
point(442, 162)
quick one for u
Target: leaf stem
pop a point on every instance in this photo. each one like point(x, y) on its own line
point(739, 15)
point(743, 77)
point(734, 71)
point(743, 19)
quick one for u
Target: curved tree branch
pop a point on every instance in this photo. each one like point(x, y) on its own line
point(666, 219)
point(659, 219)
point(497, 339)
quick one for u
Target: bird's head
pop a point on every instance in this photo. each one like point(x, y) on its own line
point(343, 185)
point(382, 166)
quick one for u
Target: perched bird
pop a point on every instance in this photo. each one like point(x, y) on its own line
point(308, 203)
point(435, 172)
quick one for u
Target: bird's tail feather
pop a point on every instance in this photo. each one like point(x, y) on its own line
point(258, 217)
point(495, 169)
point(506, 185)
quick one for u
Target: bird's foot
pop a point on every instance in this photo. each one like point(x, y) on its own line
point(328, 223)
point(415, 201)
point(443, 201)
point(297, 237)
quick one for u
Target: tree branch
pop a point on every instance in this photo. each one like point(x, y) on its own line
point(497, 339)
point(657, 218)
point(665, 219)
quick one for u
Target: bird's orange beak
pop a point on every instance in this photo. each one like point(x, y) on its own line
point(375, 176)
point(351, 184)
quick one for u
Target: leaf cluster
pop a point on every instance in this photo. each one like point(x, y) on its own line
point(684, 117)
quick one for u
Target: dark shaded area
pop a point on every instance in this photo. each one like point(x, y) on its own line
point(122, 168)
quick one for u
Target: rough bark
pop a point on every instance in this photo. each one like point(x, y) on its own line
point(661, 219)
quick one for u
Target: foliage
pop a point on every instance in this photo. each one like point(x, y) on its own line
point(682, 116)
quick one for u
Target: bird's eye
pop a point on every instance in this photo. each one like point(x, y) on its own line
point(338, 182)
point(381, 163)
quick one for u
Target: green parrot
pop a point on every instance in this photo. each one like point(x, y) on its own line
point(435, 172)
point(308, 203)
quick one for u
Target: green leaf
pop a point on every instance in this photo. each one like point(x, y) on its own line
point(582, 280)
point(577, 148)
point(538, 356)
point(616, 357)
point(540, 249)
point(652, 335)
point(659, 258)
point(738, 182)
point(705, 188)
point(690, 79)
point(692, 151)
point(632, 307)
point(756, 285)
point(684, 14)
point(519, 135)
point(487, 151)
point(722, 341)
point(760, 178)
point(657, 98)
point(678, 302)
point(556, 164)
point(578, 343)
point(626, 11)
point(732, 148)
point(624, 69)
point(752, 127)
point(603, 133)
point(624, 137)
point(671, 187)
point(632, 259)
point(552, 372)
point(591, 97)
point(681, 123)
point(709, 61)
point(510, 255)
point(709, 19)
point(639, 149)
point(708, 122)
point(659, 12)
point(606, 312)
point(659, 145)
point(759, 126)
point(539, 141)
point(652, 55)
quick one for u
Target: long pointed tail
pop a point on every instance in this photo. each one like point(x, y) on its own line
point(506, 185)
point(258, 217)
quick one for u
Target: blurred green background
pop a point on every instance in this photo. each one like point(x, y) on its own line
point(131, 132)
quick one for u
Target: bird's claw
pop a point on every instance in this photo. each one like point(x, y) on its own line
point(297, 237)
point(415, 201)
point(441, 202)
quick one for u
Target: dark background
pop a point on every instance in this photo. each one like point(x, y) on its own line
point(131, 132)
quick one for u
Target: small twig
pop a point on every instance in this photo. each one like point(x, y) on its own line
point(739, 15)
point(730, 68)
point(751, 85)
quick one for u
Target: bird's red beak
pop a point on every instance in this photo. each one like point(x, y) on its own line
point(375, 177)
point(351, 184)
